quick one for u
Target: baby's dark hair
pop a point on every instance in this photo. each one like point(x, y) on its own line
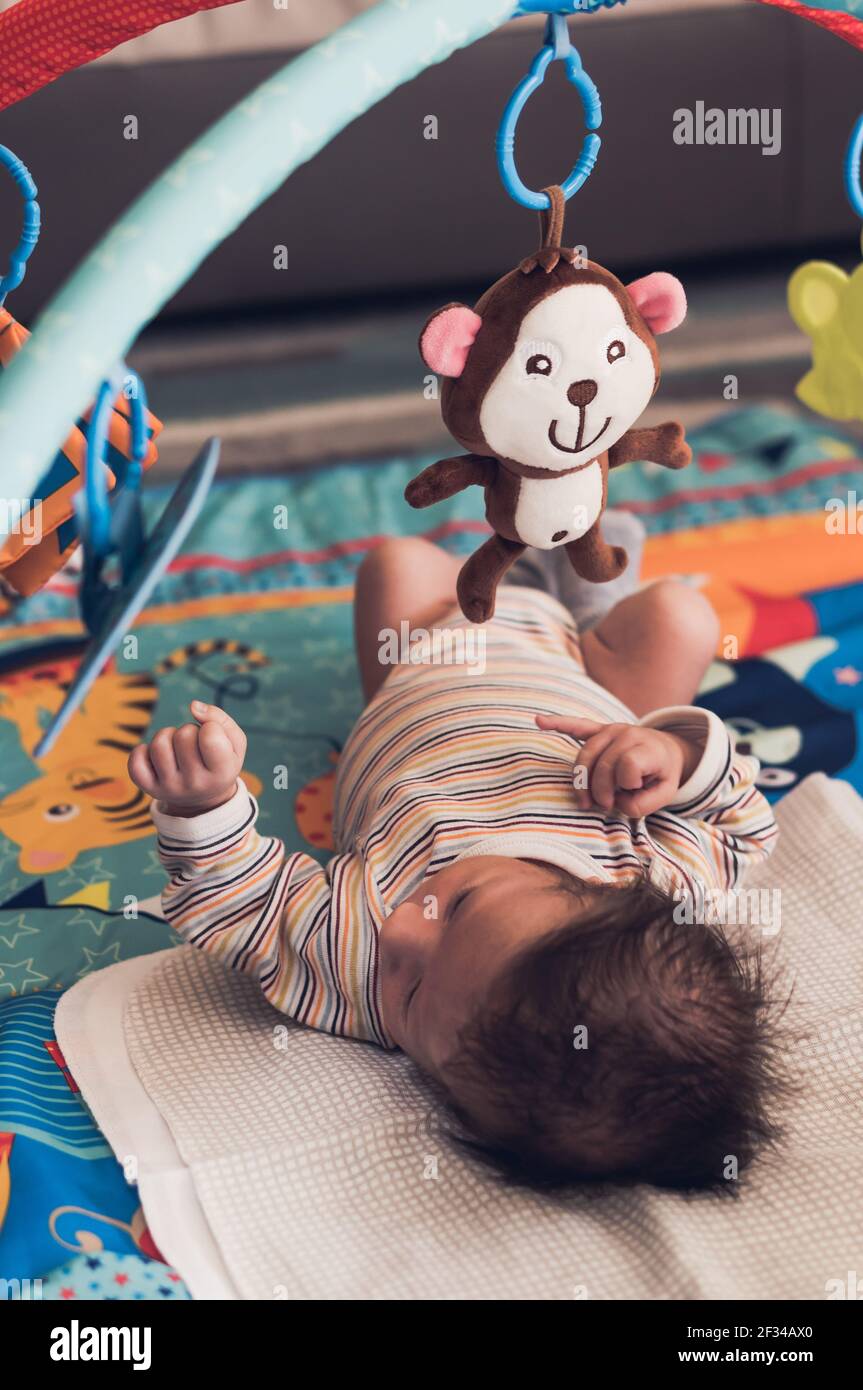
point(628, 1045)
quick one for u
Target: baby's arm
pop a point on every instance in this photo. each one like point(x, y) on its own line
point(718, 825)
point(676, 765)
point(303, 931)
point(192, 770)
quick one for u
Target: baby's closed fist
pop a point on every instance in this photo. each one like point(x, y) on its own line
point(192, 769)
point(626, 767)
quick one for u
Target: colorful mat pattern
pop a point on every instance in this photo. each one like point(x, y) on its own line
point(256, 615)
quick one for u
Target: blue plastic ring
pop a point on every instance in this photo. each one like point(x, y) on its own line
point(852, 167)
point(32, 222)
point(505, 141)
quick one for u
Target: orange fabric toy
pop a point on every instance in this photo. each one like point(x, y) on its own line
point(36, 544)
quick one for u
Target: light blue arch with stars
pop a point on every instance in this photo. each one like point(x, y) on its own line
point(154, 248)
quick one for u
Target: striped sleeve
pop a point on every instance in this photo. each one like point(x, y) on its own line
point(719, 824)
point(707, 731)
point(303, 931)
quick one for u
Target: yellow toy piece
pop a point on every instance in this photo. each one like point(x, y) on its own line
point(827, 305)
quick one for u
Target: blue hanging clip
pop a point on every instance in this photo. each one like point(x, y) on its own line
point(556, 48)
point(105, 531)
point(852, 167)
point(112, 530)
point(32, 222)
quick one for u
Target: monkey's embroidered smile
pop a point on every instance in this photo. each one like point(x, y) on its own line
point(553, 334)
point(579, 444)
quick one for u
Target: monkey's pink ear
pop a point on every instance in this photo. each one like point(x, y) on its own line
point(448, 337)
point(660, 299)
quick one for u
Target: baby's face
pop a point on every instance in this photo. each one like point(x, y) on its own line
point(442, 948)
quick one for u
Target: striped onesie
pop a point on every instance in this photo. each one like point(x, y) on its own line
point(445, 762)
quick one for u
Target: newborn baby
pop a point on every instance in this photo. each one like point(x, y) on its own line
point(504, 903)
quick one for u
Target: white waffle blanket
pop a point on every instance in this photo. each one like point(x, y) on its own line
point(278, 1163)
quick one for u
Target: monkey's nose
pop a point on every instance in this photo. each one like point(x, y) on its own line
point(581, 392)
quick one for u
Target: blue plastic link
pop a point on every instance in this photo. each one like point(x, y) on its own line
point(557, 48)
point(852, 168)
point(32, 222)
point(566, 7)
point(92, 505)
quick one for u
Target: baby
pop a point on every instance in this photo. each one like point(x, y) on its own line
point(504, 903)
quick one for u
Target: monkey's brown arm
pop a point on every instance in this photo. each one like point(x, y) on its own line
point(663, 444)
point(447, 477)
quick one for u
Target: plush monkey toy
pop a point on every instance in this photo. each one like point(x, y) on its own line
point(543, 381)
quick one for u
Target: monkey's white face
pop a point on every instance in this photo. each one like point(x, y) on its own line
point(577, 380)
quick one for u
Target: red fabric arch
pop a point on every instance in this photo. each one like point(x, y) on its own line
point(42, 39)
point(845, 26)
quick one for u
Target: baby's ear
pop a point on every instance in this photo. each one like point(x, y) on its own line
point(448, 337)
point(660, 299)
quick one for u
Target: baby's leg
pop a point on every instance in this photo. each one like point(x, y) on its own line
point(653, 648)
point(404, 579)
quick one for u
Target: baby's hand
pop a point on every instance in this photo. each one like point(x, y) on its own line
point(626, 767)
point(193, 769)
